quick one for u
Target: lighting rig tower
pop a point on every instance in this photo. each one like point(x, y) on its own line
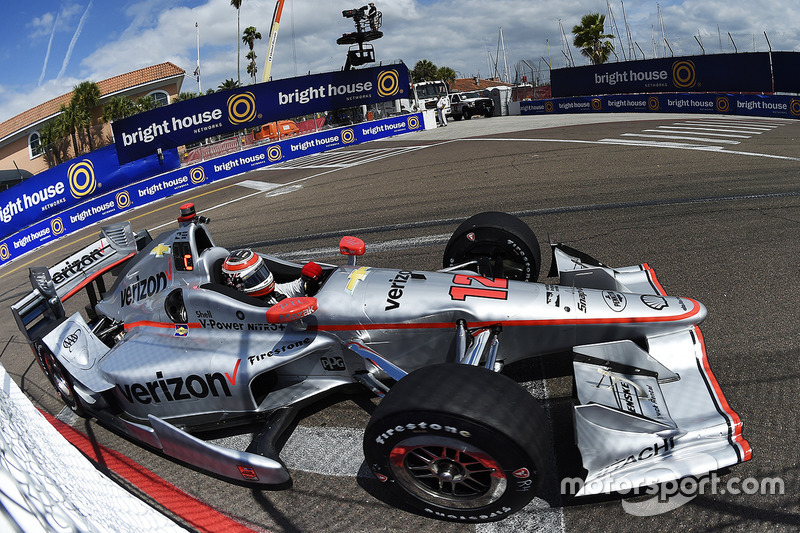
point(368, 21)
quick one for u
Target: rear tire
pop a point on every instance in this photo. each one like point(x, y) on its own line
point(502, 241)
point(465, 114)
point(458, 443)
point(63, 382)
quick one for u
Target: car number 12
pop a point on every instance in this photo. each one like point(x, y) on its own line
point(463, 287)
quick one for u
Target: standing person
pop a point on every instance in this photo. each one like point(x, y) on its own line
point(372, 17)
point(441, 105)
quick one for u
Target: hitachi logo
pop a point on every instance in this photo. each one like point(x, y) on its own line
point(179, 388)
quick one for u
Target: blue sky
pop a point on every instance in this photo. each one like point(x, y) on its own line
point(51, 46)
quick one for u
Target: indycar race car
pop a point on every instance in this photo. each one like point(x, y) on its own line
point(168, 354)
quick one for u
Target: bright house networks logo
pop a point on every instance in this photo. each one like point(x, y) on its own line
point(57, 226)
point(197, 175)
point(388, 83)
point(241, 108)
point(123, 200)
point(683, 74)
point(413, 123)
point(274, 153)
point(4, 255)
point(81, 179)
point(348, 136)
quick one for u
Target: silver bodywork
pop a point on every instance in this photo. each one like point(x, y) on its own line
point(188, 355)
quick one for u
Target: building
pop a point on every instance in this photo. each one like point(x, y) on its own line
point(21, 153)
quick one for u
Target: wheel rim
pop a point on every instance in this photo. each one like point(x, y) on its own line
point(505, 261)
point(447, 473)
point(61, 383)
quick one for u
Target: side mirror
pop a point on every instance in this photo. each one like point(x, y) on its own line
point(291, 310)
point(352, 247)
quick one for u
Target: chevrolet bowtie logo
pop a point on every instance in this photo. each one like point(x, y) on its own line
point(160, 250)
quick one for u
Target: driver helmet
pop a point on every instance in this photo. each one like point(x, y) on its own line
point(246, 271)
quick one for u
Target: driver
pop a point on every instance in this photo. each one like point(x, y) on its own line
point(246, 271)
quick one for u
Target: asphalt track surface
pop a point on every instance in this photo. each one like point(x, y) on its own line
point(711, 203)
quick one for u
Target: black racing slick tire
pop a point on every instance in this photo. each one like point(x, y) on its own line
point(458, 443)
point(63, 382)
point(499, 241)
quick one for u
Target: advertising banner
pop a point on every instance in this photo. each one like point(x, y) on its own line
point(228, 111)
point(745, 72)
point(727, 104)
point(155, 188)
point(73, 183)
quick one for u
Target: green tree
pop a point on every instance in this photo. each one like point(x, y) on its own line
point(68, 121)
point(424, 70)
point(85, 97)
point(249, 38)
point(186, 96)
point(119, 107)
point(447, 74)
point(228, 84)
point(590, 39)
point(238, 4)
point(146, 103)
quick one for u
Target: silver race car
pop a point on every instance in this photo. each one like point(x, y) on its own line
point(167, 354)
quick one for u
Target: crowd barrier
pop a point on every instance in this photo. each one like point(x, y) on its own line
point(131, 195)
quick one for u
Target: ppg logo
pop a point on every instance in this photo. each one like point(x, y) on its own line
point(71, 339)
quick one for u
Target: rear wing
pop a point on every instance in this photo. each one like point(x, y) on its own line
point(41, 309)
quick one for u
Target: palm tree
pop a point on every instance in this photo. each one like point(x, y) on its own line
point(146, 103)
point(119, 107)
point(249, 37)
point(228, 84)
point(424, 70)
point(237, 4)
point(447, 74)
point(589, 37)
point(68, 121)
point(85, 97)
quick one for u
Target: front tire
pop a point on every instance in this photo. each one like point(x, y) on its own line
point(458, 443)
point(502, 244)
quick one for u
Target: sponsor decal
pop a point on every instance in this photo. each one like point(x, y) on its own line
point(413, 122)
point(495, 289)
point(333, 364)
point(647, 453)
point(382, 478)
point(74, 266)
point(160, 250)
point(279, 350)
point(655, 302)
point(71, 339)
point(348, 136)
point(355, 277)
point(420, 426)
point(521, 473)
point(179, 388)
point(581, 300)
point(388, 83)
point(4, 254)
point(475, 518)
point(181, 330)
point(144, 288)
point(274, 153)
point(26, 201)
point(248, 473)
point(396, 288)
point(616, 301)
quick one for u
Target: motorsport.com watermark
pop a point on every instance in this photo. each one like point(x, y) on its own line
point(670, 495)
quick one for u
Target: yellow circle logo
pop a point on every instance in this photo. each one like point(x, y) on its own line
point(57, 226)
point(197, 175)
point(653, 104)
point(794, 107)
point(81, 179)
point(274, 153)
point(723, 105)
point(597, 105)
point(683, 74)
point(388, 83)
point(548, 106)
point(123, 200)
point(241, 108)
point(348, 136)
point(4, 255)
point(413, 123)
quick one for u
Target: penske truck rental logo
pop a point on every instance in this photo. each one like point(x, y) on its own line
point(82, 181)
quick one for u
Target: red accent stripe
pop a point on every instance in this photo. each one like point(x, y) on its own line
point(723, 403)
point(652, 275)
point(192, 511)
point(163, 325)
point(95, 275)
point(508, 323)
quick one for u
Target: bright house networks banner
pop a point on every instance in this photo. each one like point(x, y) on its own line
point(111, 203)
point(236, 109)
